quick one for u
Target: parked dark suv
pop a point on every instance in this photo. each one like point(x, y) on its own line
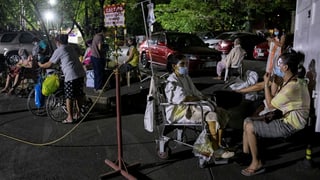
point(11, 42)
point(164, 45)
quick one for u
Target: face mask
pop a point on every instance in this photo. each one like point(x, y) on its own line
point(276, 33)
point(277, 71)
point(183, 70)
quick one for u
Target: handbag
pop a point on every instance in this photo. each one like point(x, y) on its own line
point(269, 116)
point(38, 97)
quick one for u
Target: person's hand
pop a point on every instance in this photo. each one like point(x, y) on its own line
point(39, 64)
point(266, 77)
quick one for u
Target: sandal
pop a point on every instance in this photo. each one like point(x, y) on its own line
point(67, 121)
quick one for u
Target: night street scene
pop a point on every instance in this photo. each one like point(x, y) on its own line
point(166, 89)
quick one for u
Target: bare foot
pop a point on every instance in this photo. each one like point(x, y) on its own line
point(3, 90)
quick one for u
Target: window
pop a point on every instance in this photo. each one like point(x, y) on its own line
point(8, 37)
point(26, 38)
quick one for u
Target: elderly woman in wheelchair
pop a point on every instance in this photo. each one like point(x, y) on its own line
point(181, 91)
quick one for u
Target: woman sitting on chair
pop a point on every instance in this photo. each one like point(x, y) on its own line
point(291, 98)
point(179, 89)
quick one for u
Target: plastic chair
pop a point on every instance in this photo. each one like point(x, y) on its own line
point(136, 73)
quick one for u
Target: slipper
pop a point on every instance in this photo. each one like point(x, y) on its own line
point(252, 172)
point(67, 121)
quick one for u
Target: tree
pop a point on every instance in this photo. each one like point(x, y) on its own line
point(225, 15)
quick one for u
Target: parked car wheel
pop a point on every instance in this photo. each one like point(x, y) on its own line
point(144, 60)
point(12, 58)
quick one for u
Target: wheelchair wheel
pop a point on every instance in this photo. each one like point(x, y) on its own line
point(164, 155)
point(56, 107)
point(41, 111)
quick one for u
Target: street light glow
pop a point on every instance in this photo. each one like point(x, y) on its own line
point(52, 2)
point(49, 15)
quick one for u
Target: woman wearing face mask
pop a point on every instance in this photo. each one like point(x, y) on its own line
point(291, 98)
point(276, 47)
point(179, 89)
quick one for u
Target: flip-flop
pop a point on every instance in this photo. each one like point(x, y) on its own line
point(67, 121)
point(252, 172)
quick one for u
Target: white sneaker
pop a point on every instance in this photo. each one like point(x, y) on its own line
point(227, 155)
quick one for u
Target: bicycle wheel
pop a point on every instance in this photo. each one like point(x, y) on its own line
point(56, 107)
point(31, 104)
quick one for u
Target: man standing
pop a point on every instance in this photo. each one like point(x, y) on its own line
point(98, 59)
point(232, 59)
point(73, 73)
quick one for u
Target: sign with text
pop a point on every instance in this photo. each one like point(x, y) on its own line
point(114, 15)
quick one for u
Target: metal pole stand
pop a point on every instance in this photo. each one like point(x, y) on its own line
point(119, 166)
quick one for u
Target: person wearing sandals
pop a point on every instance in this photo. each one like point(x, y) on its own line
point(14, 71)
point(291, 98)
point(73, 72)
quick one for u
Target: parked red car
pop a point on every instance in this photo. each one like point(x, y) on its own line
point(164, 45)
point(248, 41)
point(261, 51)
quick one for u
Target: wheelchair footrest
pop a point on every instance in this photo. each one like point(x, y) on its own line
point(220, 161)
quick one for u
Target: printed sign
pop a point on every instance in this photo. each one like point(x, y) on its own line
point(114, 15)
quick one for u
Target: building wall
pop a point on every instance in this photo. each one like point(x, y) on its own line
point(307, 40)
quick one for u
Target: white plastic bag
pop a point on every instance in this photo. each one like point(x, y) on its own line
point(149, 115)
point(203, 146)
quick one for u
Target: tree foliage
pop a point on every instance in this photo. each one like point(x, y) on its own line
point(195, 15)
point(177, 15)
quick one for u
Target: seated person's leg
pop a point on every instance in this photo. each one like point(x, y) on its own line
point(15, 83)
point(5, 89)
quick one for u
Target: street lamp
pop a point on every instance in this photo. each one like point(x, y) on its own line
point(49, 17)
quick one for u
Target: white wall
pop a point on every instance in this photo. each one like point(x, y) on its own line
point(307, 40)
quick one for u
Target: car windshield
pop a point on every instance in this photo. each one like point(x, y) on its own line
point(224, 36)
point(184, 40)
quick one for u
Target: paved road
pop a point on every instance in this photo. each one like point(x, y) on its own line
point(81, 154)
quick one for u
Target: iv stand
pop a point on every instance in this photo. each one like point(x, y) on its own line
point(119, 166)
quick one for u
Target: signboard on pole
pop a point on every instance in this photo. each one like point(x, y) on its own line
point(114, 15)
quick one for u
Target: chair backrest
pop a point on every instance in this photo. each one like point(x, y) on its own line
point(238, 68)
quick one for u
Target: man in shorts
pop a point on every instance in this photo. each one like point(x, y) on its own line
point(73, 73)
